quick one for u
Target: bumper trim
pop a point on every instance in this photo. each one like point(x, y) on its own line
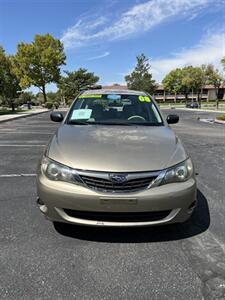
point(74, 220)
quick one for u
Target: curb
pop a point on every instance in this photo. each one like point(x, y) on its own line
point(219, 121)
point(23, 116)
point(203, 110)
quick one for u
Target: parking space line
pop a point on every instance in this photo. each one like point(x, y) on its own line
point(26, 132)
point(19, 142)
point(23, 145)
point(17, 175)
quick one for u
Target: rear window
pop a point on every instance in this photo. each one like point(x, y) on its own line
point(114, 109)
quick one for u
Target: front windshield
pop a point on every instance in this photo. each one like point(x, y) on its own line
point(114, 109)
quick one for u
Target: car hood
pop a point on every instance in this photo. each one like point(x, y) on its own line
point(116, 148)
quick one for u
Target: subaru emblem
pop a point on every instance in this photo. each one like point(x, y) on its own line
point(118, 178)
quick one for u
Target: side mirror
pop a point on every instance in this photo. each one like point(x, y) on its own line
point(56, 116)
point(172, 119)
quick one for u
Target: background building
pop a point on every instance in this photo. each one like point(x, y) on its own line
point(208, 93)
point(160, 95)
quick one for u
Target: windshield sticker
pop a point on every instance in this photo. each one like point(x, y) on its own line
point(79, 114)
point(90, 96)
point(144, 99)
point(114, 97)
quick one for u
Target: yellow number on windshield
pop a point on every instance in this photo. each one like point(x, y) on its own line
point(144, 99)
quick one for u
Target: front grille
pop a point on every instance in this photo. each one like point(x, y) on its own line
point(118, 216)
point(106, 185)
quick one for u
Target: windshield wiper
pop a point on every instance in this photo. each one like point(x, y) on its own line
point(112, 123)
point(126, 124)
point(147, 124)
point(75, 122)
point(143, 124)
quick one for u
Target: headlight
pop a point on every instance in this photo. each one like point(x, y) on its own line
point(178, 173)
point(58, 172)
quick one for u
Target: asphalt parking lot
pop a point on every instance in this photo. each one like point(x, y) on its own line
point(40, 261)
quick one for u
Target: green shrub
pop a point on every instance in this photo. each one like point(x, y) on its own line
point(221, 117)
point(56, 104)
point(49, 105)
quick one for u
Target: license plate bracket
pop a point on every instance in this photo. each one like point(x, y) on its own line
point(114, 201)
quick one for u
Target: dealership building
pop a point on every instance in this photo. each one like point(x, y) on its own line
point(161, 95)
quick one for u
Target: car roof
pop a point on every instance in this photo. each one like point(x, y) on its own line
point(114, 91)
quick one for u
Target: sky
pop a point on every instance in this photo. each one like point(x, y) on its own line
point(105, 36)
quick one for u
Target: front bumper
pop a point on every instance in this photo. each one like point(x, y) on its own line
point(57, 198)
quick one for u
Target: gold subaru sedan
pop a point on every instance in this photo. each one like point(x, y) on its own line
point(115, 161)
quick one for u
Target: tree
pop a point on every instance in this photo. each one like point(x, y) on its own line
point(172, 82)
point(54, 98)
point(3, 68)
point(38, 63)
point(24, 98)
point(223, 62)
point(39, 99)
point(179, 81)
point(196, 79)
point(204, 79)
point(71, 85)
point(191, 81)
point(216, 79)
point(141, 78)
point(185, 80)
point(9, 84)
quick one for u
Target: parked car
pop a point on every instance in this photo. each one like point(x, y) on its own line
point(192, 104)
point(25, 106)
point(115, 167)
